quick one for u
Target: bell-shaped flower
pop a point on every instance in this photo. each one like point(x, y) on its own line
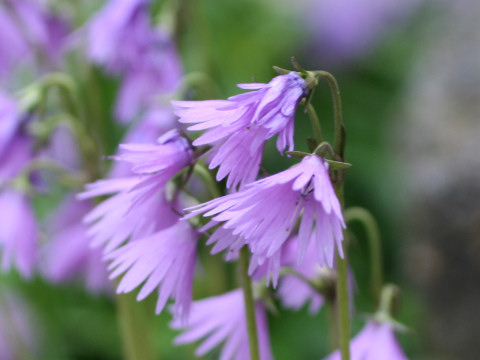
point(264, 214)
point(238, 128)
point(68, 254)
point(147, 57)
point(376, 341)
point(164, 260)
point(28, 29)
point(18, 232)
point(139, 206)
point(222, 319)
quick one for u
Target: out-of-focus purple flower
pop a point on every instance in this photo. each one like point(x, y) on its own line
point(238, 128)
point(139, 206)
point(156, 121)
point(376, 341)
point(263, 215)
point(348, 28)
point(294, 292)
point(18, 232)
point(17, 335)
point(26, 29)
point(10, 119)
point(222, 319)
point(68, 255)
point(124, 22)
point(164, 260)
point(147, 58)
point(140, 85)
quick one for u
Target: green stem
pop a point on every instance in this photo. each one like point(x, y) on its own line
point(332, 324)
point(135, 338)
point(249, 304)
point(339, 140)
point(317, 129)
point(207, 179)
point(373, 236)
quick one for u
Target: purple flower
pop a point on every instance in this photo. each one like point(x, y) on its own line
point(26, 28)
point(222, 319)
point(140, 206)
point(147, 57)
point(238, 128)
point(18, 232)
point(125, 22)
point(9, 118)
point(265, 212)
point(376, 341)
point(68, 254)
point(294, 292)
point(348, 28)
point(164, 260)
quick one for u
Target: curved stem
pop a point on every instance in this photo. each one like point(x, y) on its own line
point(249, 304)
point(207, 179)
point(317, 129)
point(373, 235)
point(340, 134)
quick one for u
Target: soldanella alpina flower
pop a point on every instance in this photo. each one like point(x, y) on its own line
point(376, 341)
point(238, 128)
point(68, 254)
point(139, 205)
point(221, 319)
point(147, 58)
point(164, 260)
point(263, 215)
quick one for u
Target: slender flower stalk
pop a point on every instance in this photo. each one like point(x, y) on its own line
point(249, 304)
point(374, 245)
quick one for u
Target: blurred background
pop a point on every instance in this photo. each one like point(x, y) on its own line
point(409, 75)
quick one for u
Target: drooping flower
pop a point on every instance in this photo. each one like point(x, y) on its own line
point(139, 206)
point(264, 214)
point(18, 232)
point(18, 228)
point(238, 128)
point(68, 254)
point(147, 58)
point(376, 341)
point(164, 260)
point(222, 319)
point(293, 292)
point(26, 29)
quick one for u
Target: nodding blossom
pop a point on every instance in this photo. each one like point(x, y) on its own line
point(263, 215)
point(27, 29)
point(139, 206)
point(222, 319)
point(376, 341)
point(164, 260)
point(68, 254)
point(238, 128)
point(147, 57)
point(293, 292)
point(18, 228)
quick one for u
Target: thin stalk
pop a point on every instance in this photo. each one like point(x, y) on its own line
point(374, 244)
point(207, 179)
point(317, 129)
point(339, 140)
point(332, 324)
point(135, 337)
point(249, 304)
